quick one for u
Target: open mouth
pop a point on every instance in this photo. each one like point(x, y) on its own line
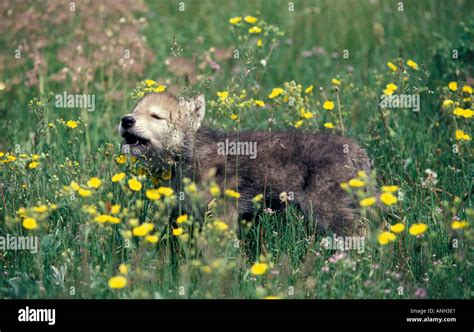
point(134, 139)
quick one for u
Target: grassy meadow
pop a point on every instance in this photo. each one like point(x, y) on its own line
point(109, 228)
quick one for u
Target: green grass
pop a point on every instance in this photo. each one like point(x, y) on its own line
point(78, 256)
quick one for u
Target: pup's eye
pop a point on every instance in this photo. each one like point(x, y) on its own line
point(157, 117)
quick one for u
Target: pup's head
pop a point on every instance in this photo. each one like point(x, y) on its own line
point(159, 124)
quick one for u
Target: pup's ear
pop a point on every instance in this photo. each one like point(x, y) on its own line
point(197, 108)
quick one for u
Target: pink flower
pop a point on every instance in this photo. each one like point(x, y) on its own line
point(337, 257)
point(420, 293)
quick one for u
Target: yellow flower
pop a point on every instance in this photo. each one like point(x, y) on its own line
point(250, 19)
point(257, 198)
point(215, 190)
point(220, 225)
point(232, 193)
point(467, 89)
point(206, 269)
point(298, 123)
point(33, 165)
point(234, 116)
point(390, 88)
point(255, 29)
point(117, 282)
point(397, 228)
point(466, 113)
point(388, 199)
point(361, 174)
point(417, 229)
point(259, 43)
point(459, 224)
point(40, 209)
point(149, 226)
point(118, 177)
point(367, 201)
point(143, 229)
point(103, 218)
point(391, 66)
point(11, 158)
point(309, 89)
point(259, 103)
point(166, 191)
point(123, 269)
point(308, 115)
point(159, 88)
point(74, 186)
point(390, 189)
point(150, 82)
point(152, 194)
point(21, 212)
point(462, 136)
point(71, 124)
point(335, 81)
point(177, 231)
point(275, 93)
point(127, 234)
point(344, 185)
point(386, 237)
point(34, 157)
point(259, 268)
point(115, 209)
point(223, 95)
point(453, 86)
point(447, 103)
point(29, 223)
point(121, 159)
point(90, 209)
point(94, 182)
point(182, 218)
point(84, 192)
point(271, 297)
point(152, 238)
point(329, 125)
point(356, 183)
point(328, 105)
point(235, 20)
point(412, 64)
point(134, 184)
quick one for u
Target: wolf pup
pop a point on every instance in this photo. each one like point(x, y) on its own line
point(311, 167)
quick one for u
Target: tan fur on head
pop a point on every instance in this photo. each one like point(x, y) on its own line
point(159, 124)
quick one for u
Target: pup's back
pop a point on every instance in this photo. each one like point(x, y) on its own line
point(309, 167)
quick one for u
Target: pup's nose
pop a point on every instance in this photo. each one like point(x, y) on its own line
point(127, 121)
